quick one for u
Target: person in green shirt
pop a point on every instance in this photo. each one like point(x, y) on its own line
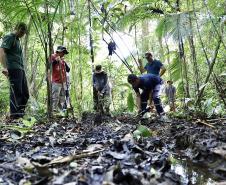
point(11, 57)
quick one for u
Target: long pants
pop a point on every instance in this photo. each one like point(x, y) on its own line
point(155, 97)
point(101, 103)
point(58, 95)
point(19, 93)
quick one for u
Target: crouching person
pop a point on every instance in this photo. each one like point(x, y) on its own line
point(58, 78)
point(148, 83)
point(101, 91)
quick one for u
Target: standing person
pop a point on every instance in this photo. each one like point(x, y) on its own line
point(11, 57)
point(58, 78)
point(101, 90)
point(148, 83)
point(153, 66)
point(170, 92)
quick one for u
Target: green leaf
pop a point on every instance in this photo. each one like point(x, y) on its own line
point(29, 122)
point(142, 131)
point(130, 102)
point(145, 132)
point(137, 134)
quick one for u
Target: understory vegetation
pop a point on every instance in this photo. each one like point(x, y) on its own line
point(187, 36)
point(83, 147)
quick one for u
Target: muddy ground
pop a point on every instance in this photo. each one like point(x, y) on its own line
point(95, 151)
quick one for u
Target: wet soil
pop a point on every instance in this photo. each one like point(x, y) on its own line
point(102, 150)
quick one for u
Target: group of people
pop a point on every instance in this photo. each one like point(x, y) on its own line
point(11, 57)
point(148, 86)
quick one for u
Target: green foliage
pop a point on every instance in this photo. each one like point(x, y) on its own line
point(4, 98)
point(130, 102)
point(211, 107)
point(174, 25)
point(142, 131)
point(29, 122)
point(141, 11)
point(175, 68)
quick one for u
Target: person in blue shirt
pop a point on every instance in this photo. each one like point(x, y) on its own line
point(153, 66)
point(148, 83)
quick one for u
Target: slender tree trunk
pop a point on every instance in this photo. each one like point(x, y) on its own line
point(48, 52)
point(168, 59)
point(185, 67)
point(91, 39)
point(63, 33)
point(25, 52)
point(145, 32)
point(193, 53)
point(162, 57)
point(212, 63)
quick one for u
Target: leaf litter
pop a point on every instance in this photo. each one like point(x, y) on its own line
point(114, 150)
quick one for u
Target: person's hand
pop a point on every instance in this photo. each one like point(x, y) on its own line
point(139, 61)
point(5, 72)
point(100, 94)
point(58, 59)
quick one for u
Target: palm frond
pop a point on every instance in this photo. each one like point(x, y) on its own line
point(175, 68)
point(174, 25)
point(144, 10)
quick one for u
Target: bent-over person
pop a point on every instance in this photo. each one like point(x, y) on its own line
point(148, 83)
point(101, 91)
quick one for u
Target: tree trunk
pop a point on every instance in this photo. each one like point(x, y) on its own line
point(193, 53)
point(184, 68)
point(91, 39)
point(212, 63)
point(168, 58)
point(48, 52)
point(145, 33)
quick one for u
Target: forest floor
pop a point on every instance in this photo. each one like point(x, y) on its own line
point(103, 150)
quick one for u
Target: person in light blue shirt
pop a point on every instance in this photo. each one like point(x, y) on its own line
point(153, 66)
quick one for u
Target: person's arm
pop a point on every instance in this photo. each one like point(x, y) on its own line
point(55, 60)
point(67, 68)
point(141, 67)
point(162, 70)
point(106, 86)
point(94, 82)
point(174, 91)
point(3, 61)
point(7, 43)
point(138, 101)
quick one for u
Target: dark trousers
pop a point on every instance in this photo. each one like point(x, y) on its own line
point(19, 93)
point(155, 97)
point(96, 102)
